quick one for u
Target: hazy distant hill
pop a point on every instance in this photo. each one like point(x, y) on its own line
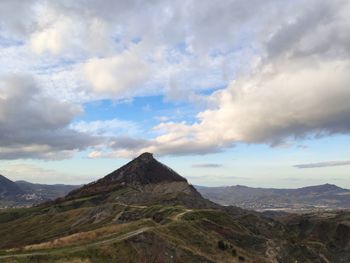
point(46, 191)
point(320, 196)
point(146, 212)
point(9, 189)
point(22, 193)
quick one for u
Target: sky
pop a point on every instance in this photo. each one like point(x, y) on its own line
point(225, 92)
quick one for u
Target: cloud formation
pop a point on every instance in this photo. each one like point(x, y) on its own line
point(33, 125)
point(207, 165)
point(117, 75)
point(322, 164)
point(299, 88)
point(112, 127)
point(118, 46)
point(285, 72)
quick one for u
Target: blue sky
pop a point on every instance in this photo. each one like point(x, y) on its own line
point(221, 94)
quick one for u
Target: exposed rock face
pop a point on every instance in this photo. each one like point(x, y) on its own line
point(150, 181)
point(142, 171)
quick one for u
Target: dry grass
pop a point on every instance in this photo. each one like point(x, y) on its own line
point(78, 238)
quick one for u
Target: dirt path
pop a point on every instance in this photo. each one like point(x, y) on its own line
point(271, 252)
point(178, 216)
point(93, 244)
point(79, 248)
point(135, 206)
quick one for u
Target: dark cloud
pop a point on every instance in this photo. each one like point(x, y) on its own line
point(320, 28)
point(17, 16)
point(33, 125)
point(125, 142)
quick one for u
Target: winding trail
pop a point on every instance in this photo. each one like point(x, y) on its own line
point(55, 251)
point(78, 248)
point(135, 206)
point(179, 215)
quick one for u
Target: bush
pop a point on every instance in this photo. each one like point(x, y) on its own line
point(222, 245)
point(241, 258)
point(234, 252)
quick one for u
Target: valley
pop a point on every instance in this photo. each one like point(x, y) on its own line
point(300, 200)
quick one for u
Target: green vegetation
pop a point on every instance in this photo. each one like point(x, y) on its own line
point(74, 231)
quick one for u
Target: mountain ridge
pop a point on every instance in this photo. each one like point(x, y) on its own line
point(326, 185)
point(326, 196)
point(9, 188)
point(22, 193)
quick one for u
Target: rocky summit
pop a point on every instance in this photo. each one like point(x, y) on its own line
point(141, 171)
point(144, 180)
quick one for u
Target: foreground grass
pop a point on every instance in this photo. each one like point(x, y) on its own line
point(87, 233)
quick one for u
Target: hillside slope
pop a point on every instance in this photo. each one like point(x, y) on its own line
point(24, 194)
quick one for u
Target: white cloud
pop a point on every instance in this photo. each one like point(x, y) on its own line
point(52, 39)
point(176, 39)
point(113, 127)
point(296, 90)
point(287, 64)
point(278, 103)
point(68, 33)
point(270, 107)
point(117, 75)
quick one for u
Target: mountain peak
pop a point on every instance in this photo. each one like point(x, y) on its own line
point(321, 188)
point(144, 169)
point(146, 156)
point(141, 172)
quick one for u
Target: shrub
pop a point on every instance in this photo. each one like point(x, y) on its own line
point(234, 252)
point(241, 258)
point(222, 245)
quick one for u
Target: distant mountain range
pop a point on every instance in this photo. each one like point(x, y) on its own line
point(22, 193)
point(146, 212)
point(325, 196)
